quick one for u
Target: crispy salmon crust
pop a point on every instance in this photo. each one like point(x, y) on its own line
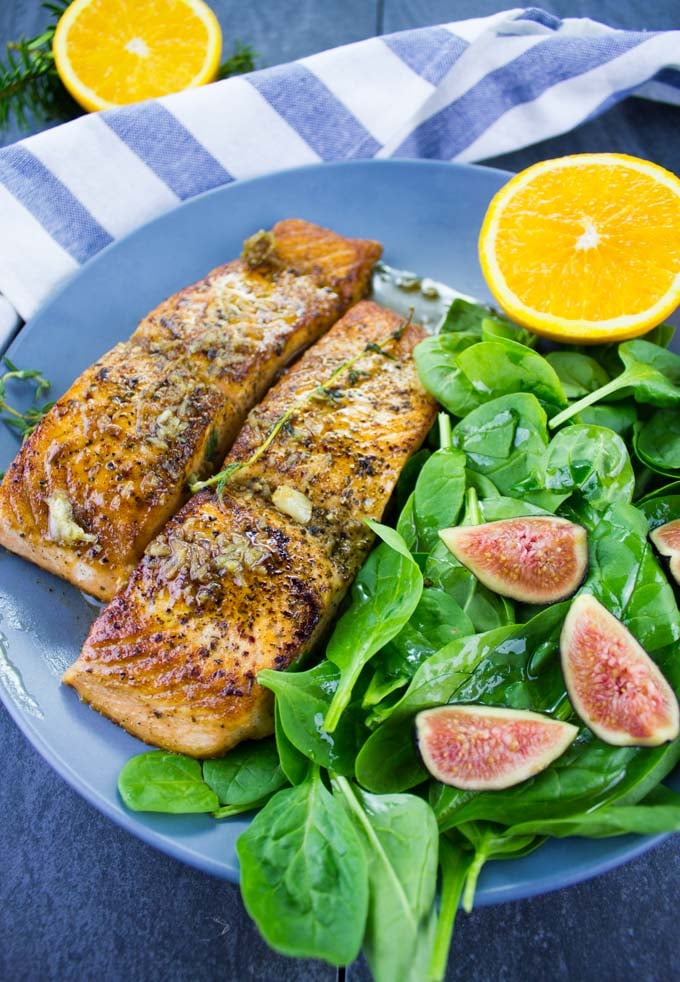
point(109, 464)
point(236, 584)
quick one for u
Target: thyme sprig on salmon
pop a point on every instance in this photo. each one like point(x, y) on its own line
point(324, 390)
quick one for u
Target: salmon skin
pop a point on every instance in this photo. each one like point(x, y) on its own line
point(109, 464)
point(252, 579)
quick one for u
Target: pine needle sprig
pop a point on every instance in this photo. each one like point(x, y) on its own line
point(30, 87)
point(324, 391)
point(241, 62)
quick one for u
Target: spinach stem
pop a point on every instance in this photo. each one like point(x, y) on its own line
point(620, 382)
point(445, 439)
point(482, 849)
point(473, 515)
point(228, 811)
point(341, 697)
point(454, 866)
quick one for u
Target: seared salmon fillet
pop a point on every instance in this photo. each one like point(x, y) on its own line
point(109, 464)
point(252, 578)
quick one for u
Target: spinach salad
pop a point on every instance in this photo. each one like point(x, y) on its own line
point(353, 845)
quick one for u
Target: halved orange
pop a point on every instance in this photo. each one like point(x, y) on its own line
point(112, 52)
point(585, 248)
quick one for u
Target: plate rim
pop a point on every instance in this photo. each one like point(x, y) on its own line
point(620, 850)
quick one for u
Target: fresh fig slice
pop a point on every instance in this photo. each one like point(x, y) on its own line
point(486, 748)
point(613, 684)
point(537, 559)
point(666, 538)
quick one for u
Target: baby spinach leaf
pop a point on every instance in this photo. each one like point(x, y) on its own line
point(618, 416)
point(389, 761)
point(400, 838)
point(294, 764)
point(406, 524)
point(384, 685)
point(493, 668)
point(657, 442)
point(436, 620)
point(436, 361)
point(495, 509)
point(248, 775)
point(161, 782)
point(466, 317)
point(651, 374)
point(589, 460)
point(659, 511)
point(578, 373)
point(625, 576)
point(384, 595)
point(438, 496)
point(500, 329)
point(660, 492)
point(483, 320)
point(656, 814)
point(662, 335)
point(505, 440)
point(304, 877)
point(485, 609)
point(302, 700)
point(498, 368)
point(483, 486)
point(496, 668)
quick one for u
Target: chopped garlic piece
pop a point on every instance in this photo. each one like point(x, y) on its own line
point(168, 427)
point(293, 503)
point(61, 525)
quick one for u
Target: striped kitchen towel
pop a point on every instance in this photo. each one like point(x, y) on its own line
point(463, 91)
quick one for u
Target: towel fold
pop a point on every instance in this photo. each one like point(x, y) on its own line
point(462, 91)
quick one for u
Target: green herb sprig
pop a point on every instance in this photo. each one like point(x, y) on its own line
point(242, 61)
point(324, 390)
point(23, 422)
point(30, 88)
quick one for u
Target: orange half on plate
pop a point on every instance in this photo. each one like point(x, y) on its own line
point(585, 248)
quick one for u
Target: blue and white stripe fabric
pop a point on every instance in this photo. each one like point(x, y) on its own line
point(463, 91)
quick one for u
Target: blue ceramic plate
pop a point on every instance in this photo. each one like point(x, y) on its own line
point(428, 217)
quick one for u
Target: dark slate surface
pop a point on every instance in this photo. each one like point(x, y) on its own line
point(80, 899)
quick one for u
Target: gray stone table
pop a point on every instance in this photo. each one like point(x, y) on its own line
point(81, 899)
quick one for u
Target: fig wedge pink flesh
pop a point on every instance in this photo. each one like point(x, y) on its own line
point(666, 539)
point(537, 559)
point(487, 748)
point(614, 686)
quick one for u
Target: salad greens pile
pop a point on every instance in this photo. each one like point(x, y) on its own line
point(354, 844)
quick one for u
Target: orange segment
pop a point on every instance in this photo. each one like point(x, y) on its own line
point(585, 248)
point(112, 52)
